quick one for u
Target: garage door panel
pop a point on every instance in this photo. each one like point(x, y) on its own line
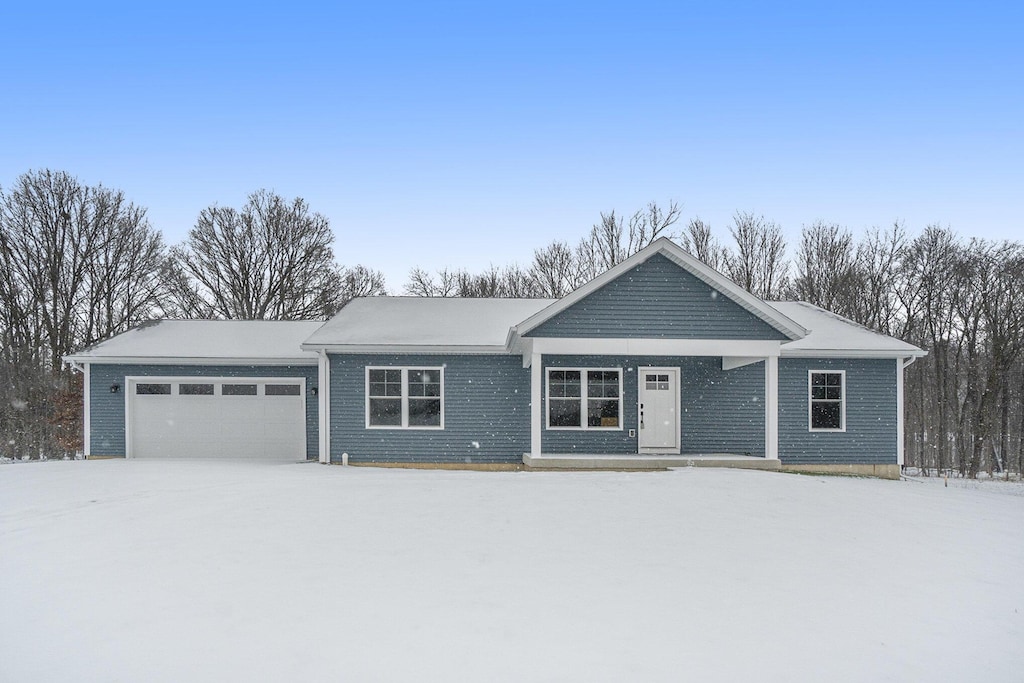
point(219, 426)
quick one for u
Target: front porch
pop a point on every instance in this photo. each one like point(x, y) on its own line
point(580, 461)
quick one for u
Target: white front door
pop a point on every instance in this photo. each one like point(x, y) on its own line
point(658, 403)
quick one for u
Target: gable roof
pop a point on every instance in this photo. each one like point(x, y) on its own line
point(831, 334)
point(677, 255)
point(479, 325)
point(206, 341)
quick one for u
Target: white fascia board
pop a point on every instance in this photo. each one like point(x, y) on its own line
point(676, 254)
point(179, 360)
point(408, 348)
point(654, 347)
point(850, 353)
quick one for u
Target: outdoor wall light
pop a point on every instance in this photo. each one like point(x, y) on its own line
point(312, 390)
point(115, 388)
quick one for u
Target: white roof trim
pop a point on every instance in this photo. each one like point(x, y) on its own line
point(852, 353)
point(675, 253)
point(182, 360)
point(407, 348)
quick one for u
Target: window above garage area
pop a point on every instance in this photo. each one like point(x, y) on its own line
point(227, 388)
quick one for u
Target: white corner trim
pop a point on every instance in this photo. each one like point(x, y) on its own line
point(324, 407)
point(900, 438)
point(654, 347)
point(86, 410)
point(771, 408)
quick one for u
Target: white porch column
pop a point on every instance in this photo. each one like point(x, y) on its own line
point(536, 382)
point(771, 407)
point(324, 406)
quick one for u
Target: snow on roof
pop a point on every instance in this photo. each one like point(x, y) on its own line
point(228, 340)
point(829, 332)
point(425, 321)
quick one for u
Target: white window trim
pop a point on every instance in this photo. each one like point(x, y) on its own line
point(842, 401)
point(583, 399)
point(405, 396)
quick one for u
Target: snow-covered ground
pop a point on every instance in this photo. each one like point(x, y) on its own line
point(192, 571)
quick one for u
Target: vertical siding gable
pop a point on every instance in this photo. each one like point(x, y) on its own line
point(107, 418)
point(657, 299)
point(870, 436)
point(486, 411)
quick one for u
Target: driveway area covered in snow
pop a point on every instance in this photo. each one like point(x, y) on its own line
point(203, 571)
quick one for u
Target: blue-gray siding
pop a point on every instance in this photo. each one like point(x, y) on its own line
point(657, 299)
point(870, 436)
point(107, 409)
point(486, 411)
point(722, 411)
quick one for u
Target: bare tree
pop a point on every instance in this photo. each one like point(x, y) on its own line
point(612, 240)
point(697, 239)
point(556, 271)
point(360, 281)
point(271, 259)
point(77, 264)
point(826, 270)
point(759, 264)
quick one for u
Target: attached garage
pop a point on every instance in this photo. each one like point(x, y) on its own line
point(207, 417)
point(223, 389)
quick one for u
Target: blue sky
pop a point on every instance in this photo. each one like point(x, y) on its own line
point(464, 134)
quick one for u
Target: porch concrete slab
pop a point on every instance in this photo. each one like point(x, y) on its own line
point(574, 461)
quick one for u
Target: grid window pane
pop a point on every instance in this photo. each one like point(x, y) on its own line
point(385, 382)
point(826, 415)
point(195, 389)
point(603, 413)
point(564, 413)
point(153, 389)
point(603, 384)
point(424, 412)
point(564, 383)
point(386, 412)
point(424, 382)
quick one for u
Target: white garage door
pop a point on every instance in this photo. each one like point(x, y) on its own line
point(202, 417)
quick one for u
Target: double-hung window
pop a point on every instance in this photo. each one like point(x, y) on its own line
point(584, 399)
point(405, 398)
point(827, 400)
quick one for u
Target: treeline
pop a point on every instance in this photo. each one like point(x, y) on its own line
point(81, 263)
